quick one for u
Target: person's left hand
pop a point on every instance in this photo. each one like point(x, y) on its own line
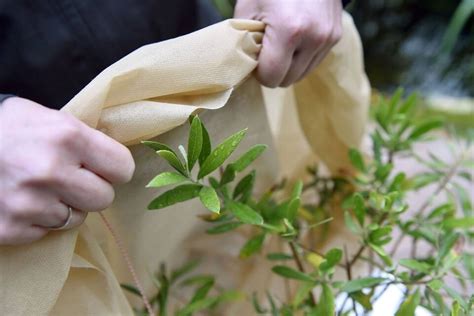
point(298, 35)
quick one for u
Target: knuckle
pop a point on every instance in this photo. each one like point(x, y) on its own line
point(104, 199)
point(297, 29)
point(46, 171)
point(67, 132)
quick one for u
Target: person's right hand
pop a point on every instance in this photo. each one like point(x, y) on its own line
point(49, 160)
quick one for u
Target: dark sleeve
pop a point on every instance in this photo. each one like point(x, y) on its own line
point(3, 97)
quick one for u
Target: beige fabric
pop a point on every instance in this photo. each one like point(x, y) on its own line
point(151, 92)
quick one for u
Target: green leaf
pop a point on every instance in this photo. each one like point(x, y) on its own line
point(244, 212)
point(228, 176)
point(279, 256)
point(206, 145)
point(131, 289)
point(435, 285)
point(244, 186)
point(246, 159)
point(424, 179)
point(359, 284)
point(455, 308)
point(416, 265)
point(166, 178)
point(194, 142)
point(202, 291)
point(447, 243)
point(156, 146)
point(382, 254)
point(292, 210)
point(463, 222)
point(220, 154)
point(290, 273)
point(326, 304)
point(359, 208)
point(424, 127)
point(351, 224)
point(223, 228)
point(408, 307)
point(197, 306)
point(363, 299)
point(356, 159)
point(179, 194)
point(252, 246)
point(173, 160)
point(302, 293)
point(332, 258)
point(209, 199)
point(186, 268)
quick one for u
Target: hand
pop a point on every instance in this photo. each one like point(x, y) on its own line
point(298, 35)
point(50, 160)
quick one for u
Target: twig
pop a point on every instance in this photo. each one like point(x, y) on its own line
point(424, 206)
point(300, 266)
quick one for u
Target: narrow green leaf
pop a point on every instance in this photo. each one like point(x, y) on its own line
point(223, 228)
point(184, 269)
point(244, 212)
point(194, 142)
point(217, 157)
point(359, 284)
point(209, 199)
point(416, 265)
point(356, 159)
point(131, 289)
point(435, 285)
point(166, 178)
point(455, 308)
point(291, 273)
point(173, 160)
point(292, 210)
point(244, 186)
point(156, 146)
point(197, 306)
point(332, 258)
point(252, 246)
point(359, 208)
point(297, 189)
point(424, 127)
point(409, 103)
point(463, 222)
point(447, 243)
point(246, 159)
point(228, 176)
point(326, 304)
point(179, 194)
point(279, 256)
point(202, 291)
point(382, 254)
point(351, 224)
point(206, 145)
point(408, 307)
point(302, 293)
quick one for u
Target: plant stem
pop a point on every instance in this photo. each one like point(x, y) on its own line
point(300, 266)
point(424, 206)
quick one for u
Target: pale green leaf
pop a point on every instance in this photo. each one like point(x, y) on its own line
point(359, 284)
point(179, 194)
point(223, 228)
point(173, 160)
point(356, 159)
point(246, 159)
point(416, 265)
point(209, 199)
point(291, 273)
point(217, 157)
point(244, 213)
point(409, 305)
point(252, 246)
point(166, 178)
point(194, 142)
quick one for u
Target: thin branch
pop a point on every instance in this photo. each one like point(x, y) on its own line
point(300, 266)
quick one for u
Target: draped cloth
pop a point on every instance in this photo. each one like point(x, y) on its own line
point(149, 94)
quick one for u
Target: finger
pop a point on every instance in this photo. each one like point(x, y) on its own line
point(301, 61)
point(84, 190)
point(275, 57)
point(17, 234)
point(56, 215)
point(106, 157)
point(317, 59)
